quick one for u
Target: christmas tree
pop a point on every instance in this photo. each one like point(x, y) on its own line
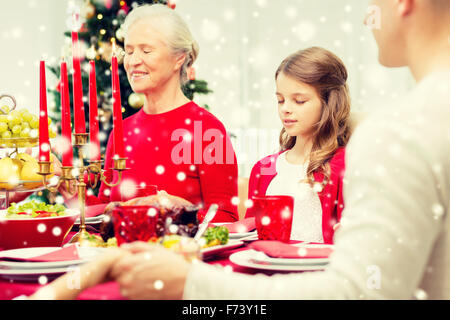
point(102, 22)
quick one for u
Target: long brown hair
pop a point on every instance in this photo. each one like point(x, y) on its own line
point(324, 71)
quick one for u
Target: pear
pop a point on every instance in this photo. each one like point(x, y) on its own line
point(25, 157)
point(9, 173)
point(29, 171)
point(17, 166)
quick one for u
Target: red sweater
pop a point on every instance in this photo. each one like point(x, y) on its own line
point(330, 197)
point(185, 151)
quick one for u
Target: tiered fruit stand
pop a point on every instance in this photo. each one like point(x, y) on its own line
point(6, 187)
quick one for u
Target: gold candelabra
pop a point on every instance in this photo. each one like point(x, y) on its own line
point(67, 176)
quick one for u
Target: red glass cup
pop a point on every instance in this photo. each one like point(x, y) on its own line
point(273, 217)
point(135, 223)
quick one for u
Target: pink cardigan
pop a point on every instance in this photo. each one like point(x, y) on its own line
point(330, 197)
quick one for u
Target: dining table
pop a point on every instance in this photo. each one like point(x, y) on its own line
point(10, 289)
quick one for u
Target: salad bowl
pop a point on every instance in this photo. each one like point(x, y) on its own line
point(35, 228)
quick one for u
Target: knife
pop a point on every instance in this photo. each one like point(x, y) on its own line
point(204, 225)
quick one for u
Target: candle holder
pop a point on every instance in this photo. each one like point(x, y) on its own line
point(94, 168)
point(45, 170)
point(80, 139)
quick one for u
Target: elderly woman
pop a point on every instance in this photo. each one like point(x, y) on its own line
point(171, 142)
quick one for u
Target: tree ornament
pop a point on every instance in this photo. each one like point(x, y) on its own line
point(108, 4)
point(172, 5)
point(89, 10)
point(120, 34)
point(124, 7)
point(136, 100)
point(105, 50)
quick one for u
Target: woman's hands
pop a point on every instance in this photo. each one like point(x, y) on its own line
point(150, 272)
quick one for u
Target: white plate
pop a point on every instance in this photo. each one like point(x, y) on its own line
point(32, 275)
point(41, 272)
point(86, 254)
point(261, 257)
point(216, 249)
point(235, 235)
point(247, 258)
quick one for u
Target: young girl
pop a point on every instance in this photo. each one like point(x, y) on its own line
point(314, 107)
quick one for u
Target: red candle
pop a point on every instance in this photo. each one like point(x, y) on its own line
point(119, 150)
point(93, 115)
point(66, 129)
point(78, 105)
point(44, 143)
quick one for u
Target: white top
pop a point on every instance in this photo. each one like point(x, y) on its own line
point(394, 242)
point(307, 217)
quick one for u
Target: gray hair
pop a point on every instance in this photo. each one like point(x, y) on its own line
point(177, 34)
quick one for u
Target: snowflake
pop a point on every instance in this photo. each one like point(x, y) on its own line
point(56, 231)
point(152, 212)
point(261, 3)
point(438, 211)
point(291, 12)
point(265, 221)
point(420, 294)
point(302, 252)
point(229, 14)
point(347, 27)
point(41, 227)
point(210, 30)
point(248, 203)
point(305, 31)
point(181, 176)
point(43, 280)
point(127, 188)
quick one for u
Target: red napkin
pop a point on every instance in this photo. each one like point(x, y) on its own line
point(68, 253)
point(241, 226)
point(95, 210)
point(277, 249)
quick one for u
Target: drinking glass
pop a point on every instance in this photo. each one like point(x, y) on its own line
point(273, 217)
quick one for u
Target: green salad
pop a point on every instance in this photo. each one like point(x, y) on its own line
point(35, 209)
point(215, 236)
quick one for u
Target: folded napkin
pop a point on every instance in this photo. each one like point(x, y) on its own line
point(277, 249)
point(68, 253)
point(95, 210)
point(241, 226)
